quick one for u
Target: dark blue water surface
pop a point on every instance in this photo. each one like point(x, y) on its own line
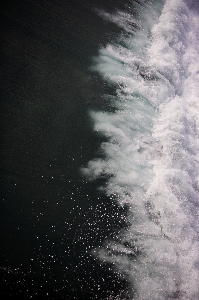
point(51, 217)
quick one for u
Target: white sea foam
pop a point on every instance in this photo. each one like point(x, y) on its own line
point(152, 153)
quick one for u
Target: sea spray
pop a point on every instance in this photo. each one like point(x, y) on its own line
point(152, 153)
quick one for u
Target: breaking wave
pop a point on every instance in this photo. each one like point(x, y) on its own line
point(151, 156)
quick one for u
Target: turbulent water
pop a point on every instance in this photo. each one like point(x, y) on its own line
point(151, 157)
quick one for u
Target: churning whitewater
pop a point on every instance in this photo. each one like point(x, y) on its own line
point(151, 156)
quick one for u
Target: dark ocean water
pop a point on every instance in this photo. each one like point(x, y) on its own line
point(51, 217)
